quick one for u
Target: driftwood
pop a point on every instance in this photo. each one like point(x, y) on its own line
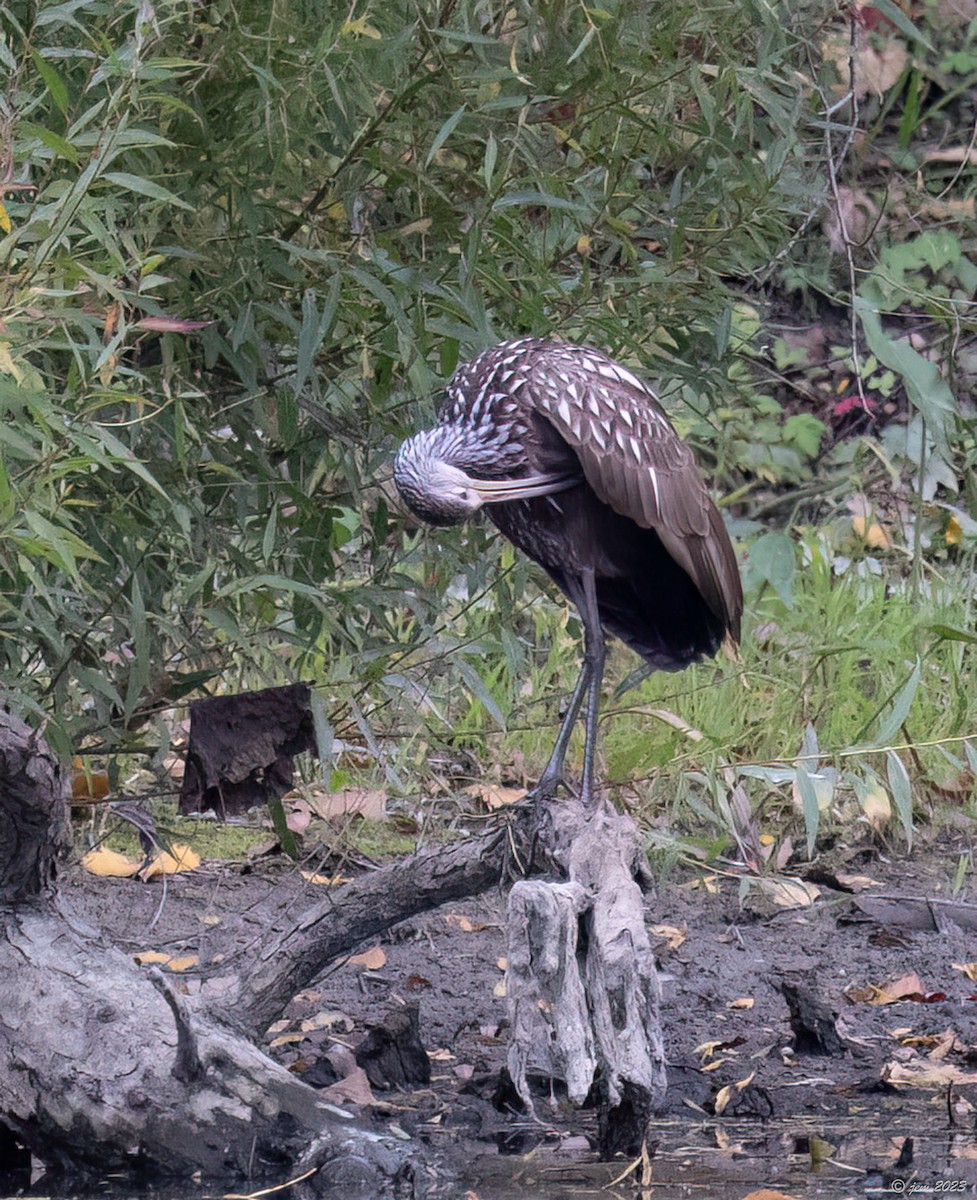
point(104, 1066)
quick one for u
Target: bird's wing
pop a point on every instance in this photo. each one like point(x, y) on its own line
point(636, 462)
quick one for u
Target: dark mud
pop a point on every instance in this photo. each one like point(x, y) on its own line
point(829, 1124)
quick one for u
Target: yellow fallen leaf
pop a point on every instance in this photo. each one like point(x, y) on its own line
point(953, 532)
point(287, 1039)
point(969, 969)
point(172, 962)
point(499, 990)
point(876, 805)
point(819, 1150)
point(328, 1019)
point(502, 963)
point(373, 959)
point(495, 796)
point(184, 962)
point(182, 859)
point(103, 861)
point(672, 935)
point(786, 892)
point(88, 783)
point(324, 880)
point(769, 1194)
point(871, 533)
point(742, 1002)
point(350, 802)
point(856, 883)
point(725, 1094)
point(677, 722)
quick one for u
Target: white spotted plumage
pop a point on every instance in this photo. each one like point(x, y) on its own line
point(531, 407)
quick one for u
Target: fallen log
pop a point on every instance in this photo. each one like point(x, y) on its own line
point(103, 1068)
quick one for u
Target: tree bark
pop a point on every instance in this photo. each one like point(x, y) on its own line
point(33, 813)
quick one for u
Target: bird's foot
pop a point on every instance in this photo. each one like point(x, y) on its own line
point(545, 789)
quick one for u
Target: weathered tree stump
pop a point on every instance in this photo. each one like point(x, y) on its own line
point(582, 988)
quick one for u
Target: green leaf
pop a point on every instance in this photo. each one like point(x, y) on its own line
point(892, 12)
point(53, 141)
point(891, 724)
point(902, 793)
point(948, 634)
point(772, 559)
point(145, 187)
point(809, 805)
point(477, 685)
point(491, 155)
point(314, 330)
point(526, 199)
point(444, 133)
point(805, 431)
point(57, 88)
point(582, 44)
point(925, 386)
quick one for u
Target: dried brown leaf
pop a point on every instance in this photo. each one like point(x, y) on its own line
point(354, 1089)
point(350, 802)
point(856, 883)
point(372, 959)
point(328, 1019)
point(925, 1075)
point(466, 924)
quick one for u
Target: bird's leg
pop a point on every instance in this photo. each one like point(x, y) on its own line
point(595, 652)
point(552, 776)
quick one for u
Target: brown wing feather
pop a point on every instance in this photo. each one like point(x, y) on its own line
point(636, 462)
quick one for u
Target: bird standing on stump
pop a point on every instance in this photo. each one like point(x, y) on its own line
point(577, 464)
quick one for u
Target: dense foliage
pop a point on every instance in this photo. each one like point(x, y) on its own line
point(246, 241)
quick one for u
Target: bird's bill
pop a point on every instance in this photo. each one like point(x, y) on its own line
point(494, 491)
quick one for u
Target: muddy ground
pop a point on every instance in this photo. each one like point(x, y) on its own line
point(723, 966)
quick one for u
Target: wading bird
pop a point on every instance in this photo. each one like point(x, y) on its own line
point(576, 463)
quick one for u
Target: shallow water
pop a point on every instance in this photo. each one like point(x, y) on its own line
point(711, 1159)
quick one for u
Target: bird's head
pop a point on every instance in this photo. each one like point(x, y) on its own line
point(433, 489)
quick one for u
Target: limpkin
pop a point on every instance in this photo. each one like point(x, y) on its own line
point(578, 465)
